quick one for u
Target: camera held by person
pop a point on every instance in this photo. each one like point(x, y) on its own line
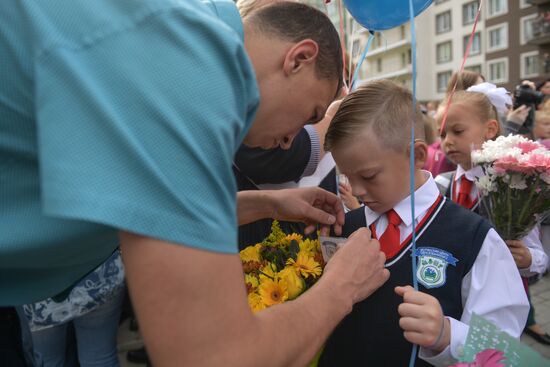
point(526, 95)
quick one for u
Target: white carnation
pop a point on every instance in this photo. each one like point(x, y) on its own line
point(485, 184)
point(517, 182)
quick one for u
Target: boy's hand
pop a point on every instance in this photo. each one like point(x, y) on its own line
point(422, 320)
point(521, 254)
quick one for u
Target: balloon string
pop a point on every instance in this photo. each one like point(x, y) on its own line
point(466, 54)
point(351, 69)
point(360, 63)
point(414, 352)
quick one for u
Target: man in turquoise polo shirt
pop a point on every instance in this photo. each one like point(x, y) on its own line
point(122, 118)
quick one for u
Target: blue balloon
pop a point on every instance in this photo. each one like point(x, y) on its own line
point(378, 15)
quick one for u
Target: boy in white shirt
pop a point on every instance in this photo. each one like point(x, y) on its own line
point(457, 251)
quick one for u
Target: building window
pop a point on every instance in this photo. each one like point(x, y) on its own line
point(524, 4)
point(498, 70)
point(474, 68)
point(444, 52)
point(443, 22)
point(406, 58)
point(530, 64)
point(442, 81)
point(378, 65)
point(497, 7)
point(469, 12)
point(497, 37)
point(526, 25)
point(378, 40)
point(402, 31)
point(475, 48)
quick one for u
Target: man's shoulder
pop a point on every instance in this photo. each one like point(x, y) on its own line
point(80, 24)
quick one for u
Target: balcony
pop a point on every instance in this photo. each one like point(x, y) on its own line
point(391, 46)
point(389, 75)
point(538, 2)
point(540, 31)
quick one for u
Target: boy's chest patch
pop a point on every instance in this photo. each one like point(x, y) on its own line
point(432, 266)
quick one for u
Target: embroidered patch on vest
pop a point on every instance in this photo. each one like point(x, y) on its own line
point(432, 266)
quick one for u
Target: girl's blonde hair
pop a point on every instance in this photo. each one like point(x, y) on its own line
point(480, 103)
point(464, 80)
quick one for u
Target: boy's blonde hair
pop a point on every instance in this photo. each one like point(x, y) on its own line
point(479, 101)
point(382, 106)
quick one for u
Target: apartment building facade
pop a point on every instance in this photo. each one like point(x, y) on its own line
point(540, 35)
point(509, 56)
point(511, 43)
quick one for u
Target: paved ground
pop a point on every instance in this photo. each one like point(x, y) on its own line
point(540, 293)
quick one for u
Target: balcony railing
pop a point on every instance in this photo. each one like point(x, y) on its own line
point(541, 30)
point(538, 2)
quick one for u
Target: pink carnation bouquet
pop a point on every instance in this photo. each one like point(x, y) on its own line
point(515, 189)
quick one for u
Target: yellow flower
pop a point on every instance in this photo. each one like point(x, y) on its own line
point(273, 291)
point(252, 280)
point(269, 271)
point(295, 283)
point(251, 253)
point(305, 265)
point(308, 246)
point(255, 302)
point(292, 237)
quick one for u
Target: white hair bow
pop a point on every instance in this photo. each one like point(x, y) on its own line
point(499, 97)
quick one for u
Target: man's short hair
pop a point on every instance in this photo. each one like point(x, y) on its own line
point(295, 22)
point(382, 107)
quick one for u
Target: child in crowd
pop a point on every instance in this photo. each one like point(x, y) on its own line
point(436, 162)
point(457, 251)
point(472, 119)
point(541, 131)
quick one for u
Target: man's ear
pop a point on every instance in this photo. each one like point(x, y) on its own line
point(301, 55)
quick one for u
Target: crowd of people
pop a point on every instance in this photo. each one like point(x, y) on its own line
point(141, 150)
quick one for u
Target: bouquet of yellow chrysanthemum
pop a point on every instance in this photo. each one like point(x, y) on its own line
point(280, 268)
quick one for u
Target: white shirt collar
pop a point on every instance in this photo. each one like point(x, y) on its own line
point(470, 174)
point(424, 197)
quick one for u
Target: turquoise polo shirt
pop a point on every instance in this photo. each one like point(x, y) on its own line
point(115, 115)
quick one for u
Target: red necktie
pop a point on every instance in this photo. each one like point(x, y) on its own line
point(390, 241)
point(463, 198)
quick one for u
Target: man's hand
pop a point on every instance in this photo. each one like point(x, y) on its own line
point(422, 319)
point(191, 302)
point(519, 115)
point(520, 253)
point(311, 205)
point(357, 269)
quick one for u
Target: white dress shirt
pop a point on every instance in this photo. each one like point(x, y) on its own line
point(498, 296)
point(539, 259)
